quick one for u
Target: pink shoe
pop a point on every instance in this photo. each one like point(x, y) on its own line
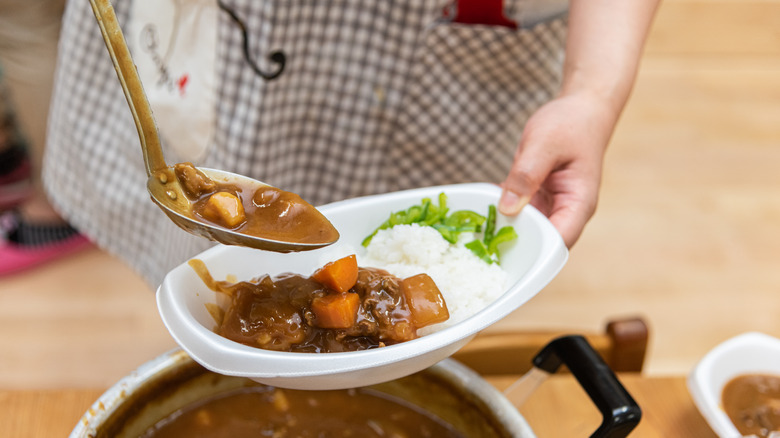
point(15, 258)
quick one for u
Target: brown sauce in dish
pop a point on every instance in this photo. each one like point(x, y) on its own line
point(752, 402)
point(270, 412)
point(266, 212)
point(280, 313)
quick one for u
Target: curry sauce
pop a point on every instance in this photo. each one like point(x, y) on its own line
point(266, 212)
point(752, 402)
point(284, 313)
point(271, 412)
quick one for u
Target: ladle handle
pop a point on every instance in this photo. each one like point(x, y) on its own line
point(620, 412)
point(131, 85)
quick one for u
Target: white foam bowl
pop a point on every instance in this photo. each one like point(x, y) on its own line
point(749, 353)
point(531, 263)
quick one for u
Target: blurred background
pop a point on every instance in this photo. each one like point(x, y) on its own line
point(687, 233)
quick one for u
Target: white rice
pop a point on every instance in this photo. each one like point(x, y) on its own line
point(467, 283)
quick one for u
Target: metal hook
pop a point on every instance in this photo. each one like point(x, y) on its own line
point(277, 57)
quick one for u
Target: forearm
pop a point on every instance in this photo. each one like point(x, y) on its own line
point(603, 48)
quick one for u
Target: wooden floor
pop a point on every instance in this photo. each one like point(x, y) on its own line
point(687, 233)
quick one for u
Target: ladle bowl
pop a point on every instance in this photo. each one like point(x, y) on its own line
point(164, 188)
point(173, 202)
point(183, 300)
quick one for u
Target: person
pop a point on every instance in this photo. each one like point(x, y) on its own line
point(32, 231)
point(336, 100)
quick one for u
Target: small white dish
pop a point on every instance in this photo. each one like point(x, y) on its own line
point(531, 263)
point(749, 353)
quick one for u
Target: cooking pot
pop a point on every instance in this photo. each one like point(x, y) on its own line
point(448, 390)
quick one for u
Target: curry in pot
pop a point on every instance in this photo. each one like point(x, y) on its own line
point(260, 411)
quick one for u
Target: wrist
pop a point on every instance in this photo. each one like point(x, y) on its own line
point(608, 96)
point(601, 108)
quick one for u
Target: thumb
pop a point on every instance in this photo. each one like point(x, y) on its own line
point(529, 170)
point(512, 203)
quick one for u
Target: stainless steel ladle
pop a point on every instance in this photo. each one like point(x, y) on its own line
point(162, 184)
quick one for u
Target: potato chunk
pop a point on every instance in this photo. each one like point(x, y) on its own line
point(425, 300)
point(224, 209)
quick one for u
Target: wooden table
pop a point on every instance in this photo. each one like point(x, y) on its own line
point(559, 408)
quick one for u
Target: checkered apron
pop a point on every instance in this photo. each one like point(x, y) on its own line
point(374, 96)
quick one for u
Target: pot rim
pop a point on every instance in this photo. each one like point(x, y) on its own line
point(449, 370)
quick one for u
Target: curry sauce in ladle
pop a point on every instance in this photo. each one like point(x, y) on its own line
point(222, 206)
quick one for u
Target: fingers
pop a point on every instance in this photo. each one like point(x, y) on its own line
point(561, 186)
point(570, 221)
point(533, 163)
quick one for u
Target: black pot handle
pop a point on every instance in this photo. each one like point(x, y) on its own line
point(620, 412)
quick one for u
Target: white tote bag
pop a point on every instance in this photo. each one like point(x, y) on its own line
point(174, 48)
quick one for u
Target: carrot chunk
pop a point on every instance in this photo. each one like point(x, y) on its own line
point(225, 209)
point(425, 300)
point(339, 275)
point(336, 311)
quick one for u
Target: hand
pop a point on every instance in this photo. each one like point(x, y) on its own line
point(558, 164)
